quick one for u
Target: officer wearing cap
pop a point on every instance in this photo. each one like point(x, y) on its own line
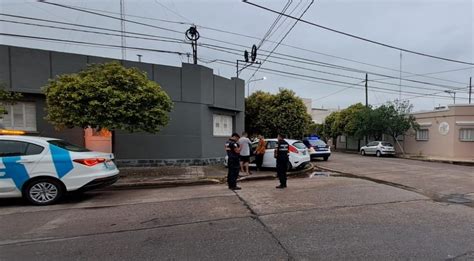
point(281, 155)
point(233, 153)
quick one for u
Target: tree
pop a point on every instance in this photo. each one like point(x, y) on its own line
point(396, 118)
point(331, 127)
point(283, 112)
point(257, 113)
point(7, 97)
point(107, 96)
point(290, 115)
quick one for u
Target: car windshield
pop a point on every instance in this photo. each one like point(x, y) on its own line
point(387, 144)
point(317, 143)
point(67, 146)
point(299, 145)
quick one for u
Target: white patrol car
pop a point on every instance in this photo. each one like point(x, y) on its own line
point(43, 169)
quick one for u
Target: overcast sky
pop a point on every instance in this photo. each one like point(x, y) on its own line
point(441, 28)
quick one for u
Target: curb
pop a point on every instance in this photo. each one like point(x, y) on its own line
point(446, 161)
point(197, 182)
point(163, 184)
point(379, 181)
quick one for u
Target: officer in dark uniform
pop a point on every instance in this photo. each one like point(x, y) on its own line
point(281, 155)
point(233, 164)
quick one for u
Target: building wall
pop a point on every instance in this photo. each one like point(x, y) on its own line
point(196, 93)
point(439, 145)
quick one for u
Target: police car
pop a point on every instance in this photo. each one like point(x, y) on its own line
point(298, 157)
point(42, 169)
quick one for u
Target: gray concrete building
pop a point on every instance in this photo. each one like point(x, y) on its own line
point(207, 107)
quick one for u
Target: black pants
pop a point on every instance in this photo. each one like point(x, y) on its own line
point(282, 165)
point(259, 160)
point(233, 172)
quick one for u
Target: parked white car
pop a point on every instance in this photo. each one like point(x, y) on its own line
point(299, 154)
point(378, 148)
point(42, 169)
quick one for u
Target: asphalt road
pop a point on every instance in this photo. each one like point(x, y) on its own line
point(439, 181)
point(330, 218)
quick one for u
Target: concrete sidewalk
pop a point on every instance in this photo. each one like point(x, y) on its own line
point(156, 177)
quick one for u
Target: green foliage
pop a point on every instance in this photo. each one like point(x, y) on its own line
point(396, 118)
point(107, 96)
point(315, 128)
point(7, 97)
point(393, 119)
point(283, 112)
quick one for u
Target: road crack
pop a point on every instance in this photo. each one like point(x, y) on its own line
point(265, 227)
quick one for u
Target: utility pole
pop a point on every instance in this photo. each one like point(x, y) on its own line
point(366, 104)
point(366, 90)
point(122, 28)
point(470, 89)
point(400, 81)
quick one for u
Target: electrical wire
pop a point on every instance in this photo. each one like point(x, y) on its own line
point(89, 43)
point(283, 38)
point(424, 75)
point(174, 40)
point(359, 37)
point(272, 26)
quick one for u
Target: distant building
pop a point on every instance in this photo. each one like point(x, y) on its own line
point(317, 115)
point(206, 108)
point(446, 132)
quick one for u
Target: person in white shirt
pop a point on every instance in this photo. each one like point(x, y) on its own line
point(245, 146)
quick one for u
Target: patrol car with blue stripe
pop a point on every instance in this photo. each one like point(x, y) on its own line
point(42, 169)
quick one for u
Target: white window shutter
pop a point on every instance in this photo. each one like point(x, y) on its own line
point(30, 116)
point(7, 118)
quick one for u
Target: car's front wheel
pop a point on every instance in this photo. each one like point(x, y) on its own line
point(326, 158)
point(44, 191)
point(379, 154)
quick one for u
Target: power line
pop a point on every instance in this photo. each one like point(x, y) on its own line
point(272, 26)
point(109, 16)
point(157, 38)
point(359, 37)
point(88, 43)
point(283, 38)
point(172, 11)
point(85, 26)
point(286, 73)
point(424, 75)
point(174, 40)
point(131, 21)
point(284, 20)
point(343, 68)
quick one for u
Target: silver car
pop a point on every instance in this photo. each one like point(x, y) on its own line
point(378, 148)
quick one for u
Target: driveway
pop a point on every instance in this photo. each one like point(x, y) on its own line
point(439, 181)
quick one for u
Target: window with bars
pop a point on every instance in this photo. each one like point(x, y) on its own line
point(20, 116)
point(466, 134)
point(422, 134)
point(222, 125)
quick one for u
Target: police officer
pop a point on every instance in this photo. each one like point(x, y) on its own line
point(281, 155)
point(233, 153)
